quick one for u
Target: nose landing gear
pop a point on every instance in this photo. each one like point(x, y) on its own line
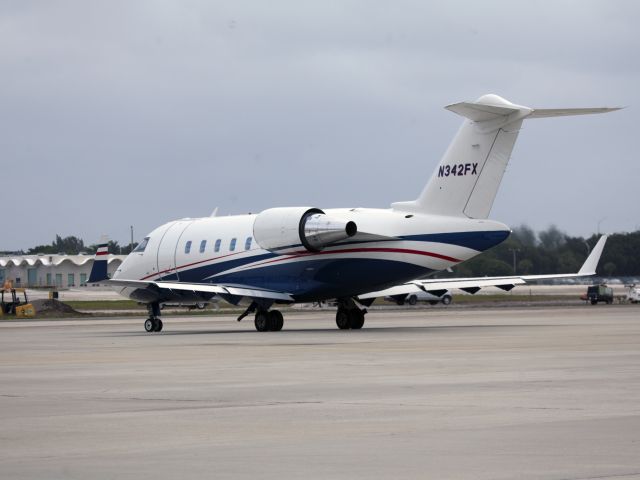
point(153, 323)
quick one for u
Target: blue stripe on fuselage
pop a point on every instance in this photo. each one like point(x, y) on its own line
point(479, 241)
point(316, 279)
point(200, 273)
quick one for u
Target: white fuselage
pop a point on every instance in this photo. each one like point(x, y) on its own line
point(390, 247)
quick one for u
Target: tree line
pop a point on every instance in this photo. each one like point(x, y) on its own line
point(72, 245)
point(547, 251)
point(553, 251)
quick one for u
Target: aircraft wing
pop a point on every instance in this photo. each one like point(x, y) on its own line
point(231, 290)
point(473, 285)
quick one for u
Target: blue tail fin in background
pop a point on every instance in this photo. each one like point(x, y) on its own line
point(99, 269)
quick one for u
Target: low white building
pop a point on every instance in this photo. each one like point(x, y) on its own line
point(60, 271)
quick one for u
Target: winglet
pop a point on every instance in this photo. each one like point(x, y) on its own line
point(590, 264)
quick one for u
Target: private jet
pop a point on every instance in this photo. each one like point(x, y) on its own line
point(299, 254)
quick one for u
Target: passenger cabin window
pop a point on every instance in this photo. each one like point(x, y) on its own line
point(203, 245)
point(187, 247)
point(247, 243)
point(142, 245)
point(232, 245)
point(216, 247)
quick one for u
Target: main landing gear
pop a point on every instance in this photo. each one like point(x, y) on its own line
point(271, 321)
point(153, 323)
point(349, 315)
point(265, 320)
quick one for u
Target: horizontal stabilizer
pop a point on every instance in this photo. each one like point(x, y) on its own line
point(568, 112)
point(479, 112)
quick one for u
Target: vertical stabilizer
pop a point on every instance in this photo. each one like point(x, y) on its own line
point(466, 181)
point(99, 268)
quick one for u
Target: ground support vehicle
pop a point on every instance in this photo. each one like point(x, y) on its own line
point(11, 304)
point(599, 293)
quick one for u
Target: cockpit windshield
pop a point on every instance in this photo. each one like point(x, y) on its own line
point(142, 245)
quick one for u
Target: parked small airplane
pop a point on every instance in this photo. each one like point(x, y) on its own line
point(354, 255)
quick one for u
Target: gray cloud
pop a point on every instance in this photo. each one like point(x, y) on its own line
point(118, 113)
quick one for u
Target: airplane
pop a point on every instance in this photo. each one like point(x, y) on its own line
point(288, 255)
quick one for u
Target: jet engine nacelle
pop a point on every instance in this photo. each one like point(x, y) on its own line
point(280, 228)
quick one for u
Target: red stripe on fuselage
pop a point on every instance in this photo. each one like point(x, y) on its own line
point(195, 263)
point(363, 250)
point(304, 253)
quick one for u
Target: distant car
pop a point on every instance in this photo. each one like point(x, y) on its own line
point(633, 295)
point(414, 298)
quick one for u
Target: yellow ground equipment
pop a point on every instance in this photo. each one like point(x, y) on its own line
point(11, 304)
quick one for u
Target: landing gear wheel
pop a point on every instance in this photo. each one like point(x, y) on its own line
point(446, 300)
point(158, 323)
point(262, 321)
point(149, 325)
point(343, 319)
point(357, 319)
point(276, 320)
point(413, 300)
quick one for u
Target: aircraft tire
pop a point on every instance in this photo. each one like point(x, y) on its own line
point(357, 319)
point(158, 324)
point(262, 321)
point(149, 325)
point(343, 319)
point(412, 300)
point(276, 320)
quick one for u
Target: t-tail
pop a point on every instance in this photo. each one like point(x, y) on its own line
point(466, 181)
point(99, 269)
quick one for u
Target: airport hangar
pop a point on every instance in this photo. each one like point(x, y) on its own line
point(59, 271)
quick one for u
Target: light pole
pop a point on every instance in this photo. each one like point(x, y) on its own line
point(514, 251)
point(599, 222)
point(131, 244)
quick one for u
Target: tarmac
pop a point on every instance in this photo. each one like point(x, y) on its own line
point(530, 393)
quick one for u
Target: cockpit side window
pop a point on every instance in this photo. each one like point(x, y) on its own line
point(142, 245)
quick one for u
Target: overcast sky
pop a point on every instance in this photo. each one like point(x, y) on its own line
point(117, 113)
